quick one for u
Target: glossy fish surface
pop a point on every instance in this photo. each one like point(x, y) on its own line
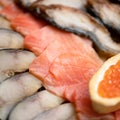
point(108, 12)
point(78, 22)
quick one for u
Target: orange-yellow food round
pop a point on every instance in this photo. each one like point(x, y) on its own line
point(109, 87)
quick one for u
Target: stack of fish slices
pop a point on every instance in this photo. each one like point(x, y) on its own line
point(21, 93)
point(74, 20)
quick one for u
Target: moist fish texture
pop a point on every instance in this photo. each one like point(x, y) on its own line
point(65, 55)
point(15, 89)
point(10, 11)
point(79, 22)
point(14, 61)
point(65, 68)
point(34, 105)
point(10, 39)
point(25, 23)
point(56, 46)
point(62, 112)
point(78, 4)
point(62, 82)
point(39, 44)
point(4, 23)
point(108, 12)
point(20, 21)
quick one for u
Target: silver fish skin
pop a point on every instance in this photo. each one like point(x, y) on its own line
point(34, 105)
point(14, 61)
point(78, 4)
point(61, 112)
point(15, 89)
point(10, 39)
point(108, 12)
point(4, 23)
point(79, 22)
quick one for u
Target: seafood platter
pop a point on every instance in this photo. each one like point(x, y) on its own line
point(59, 59)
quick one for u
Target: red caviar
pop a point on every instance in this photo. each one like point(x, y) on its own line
point(109, 87)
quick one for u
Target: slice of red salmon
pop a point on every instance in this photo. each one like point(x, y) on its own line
point(65, 68)
point(22, 22)
point(25, 23)
point(61, 42)
point(10, 11)
point(67, 76)
point(70, 75)
point(39, 39)
point(54, 49)
point(64, 76)
point(66, 63)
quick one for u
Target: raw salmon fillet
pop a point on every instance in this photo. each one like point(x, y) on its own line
point(25, 23)
point(10, 11)
point(56, 42)
point(70, 74)
point(39, 39)
point(65, 68)
point(65, 62)
point(54, 49)
point(22, 22)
